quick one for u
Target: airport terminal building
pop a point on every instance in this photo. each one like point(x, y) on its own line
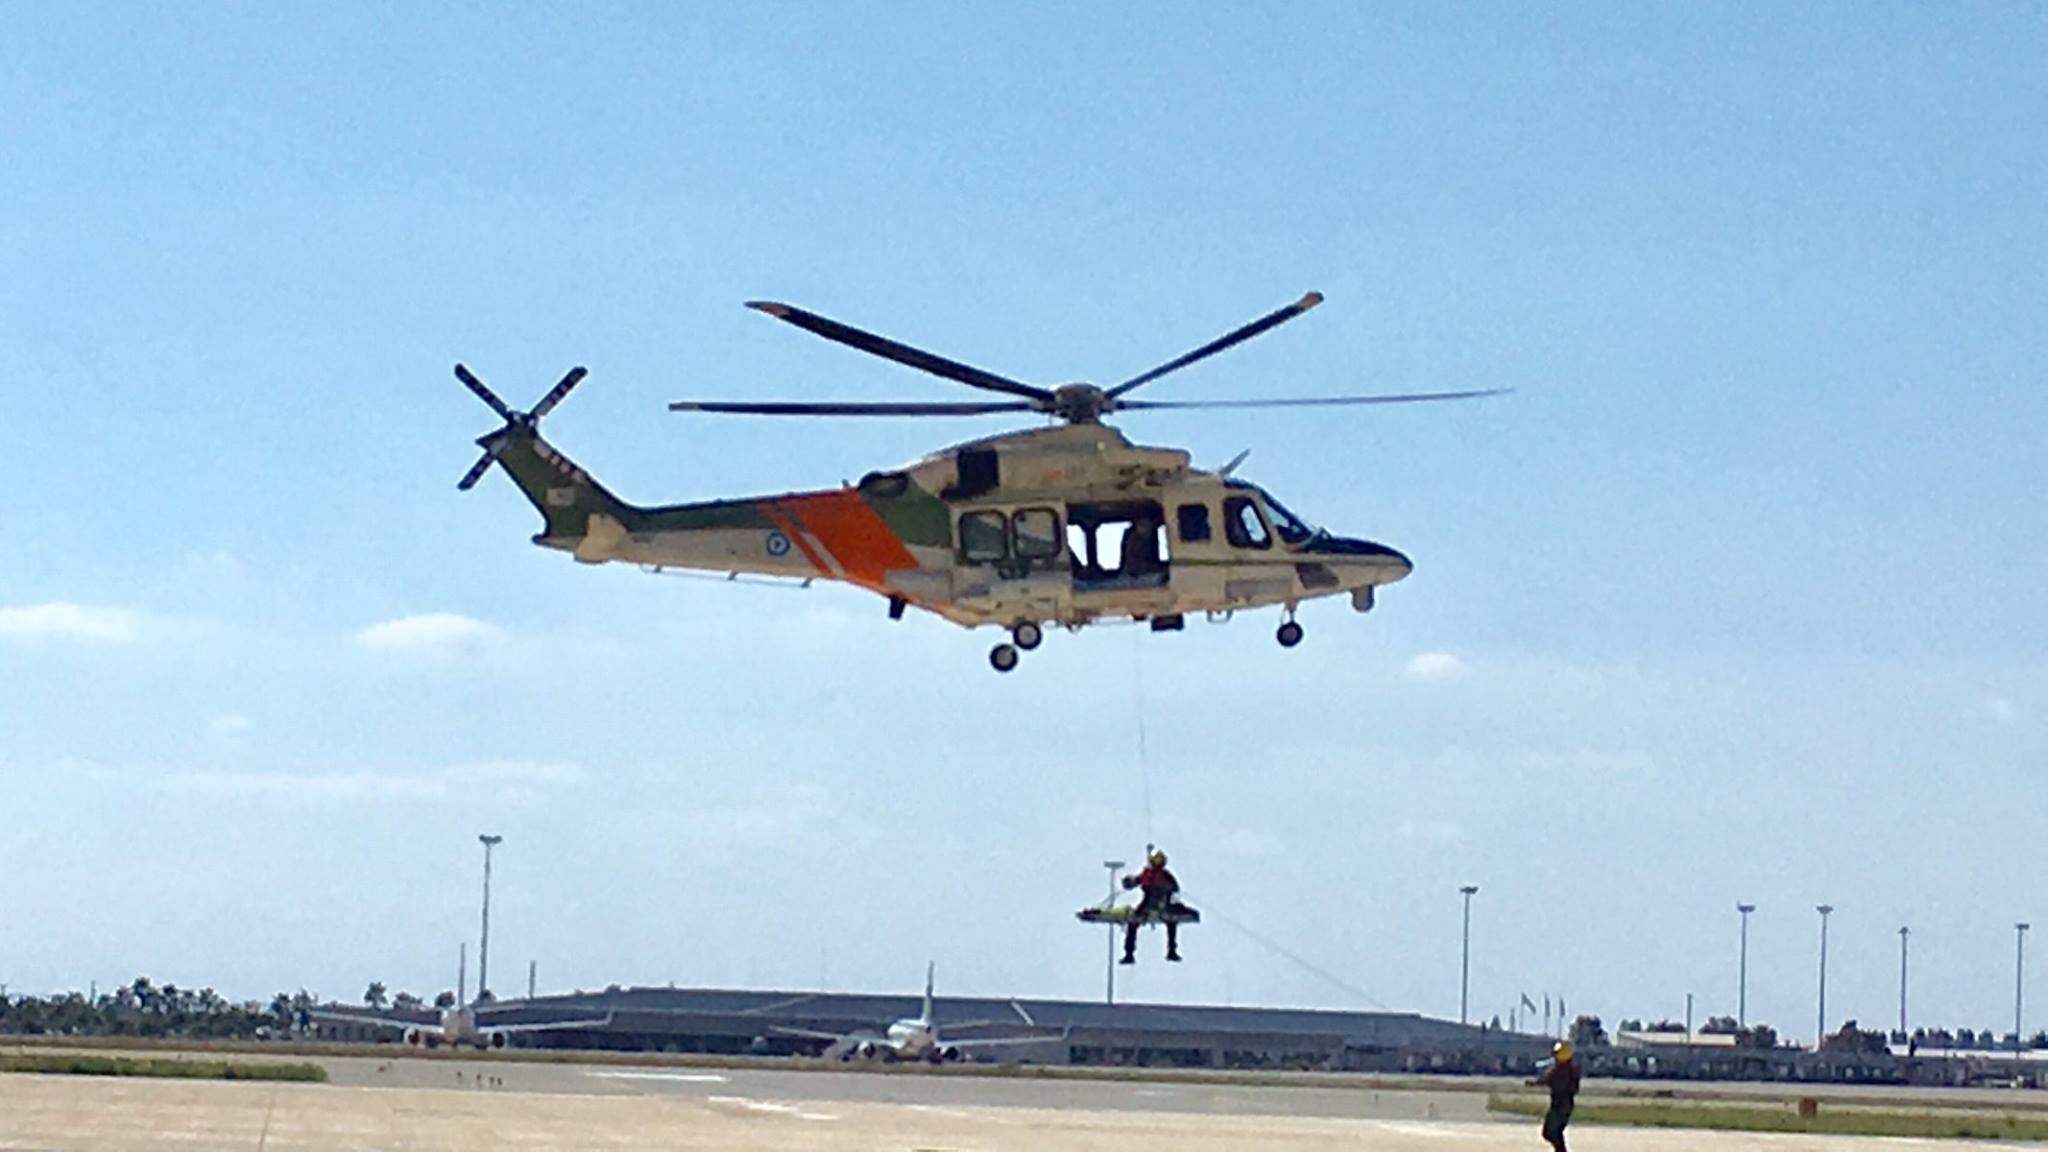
point(732, 1022)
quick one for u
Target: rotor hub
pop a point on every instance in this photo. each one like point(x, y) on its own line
point(1080, 403)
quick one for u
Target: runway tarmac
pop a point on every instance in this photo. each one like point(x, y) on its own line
point(492, 1106)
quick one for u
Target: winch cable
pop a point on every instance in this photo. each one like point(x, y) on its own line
point(1144, 761)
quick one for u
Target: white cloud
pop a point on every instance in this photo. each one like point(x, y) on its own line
point(766, 820)
point(228, 725)
point(313, 786)
point(70, 622)
point(1250, 842)
point(519, 781)
point(1430, 831)
point(442, 632)
point(1435, 666)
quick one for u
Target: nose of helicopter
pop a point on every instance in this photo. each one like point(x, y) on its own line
point(1397, 565)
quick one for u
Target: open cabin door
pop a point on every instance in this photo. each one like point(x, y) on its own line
point(1120, 555)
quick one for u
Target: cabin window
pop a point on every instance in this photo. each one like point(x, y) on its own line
point(1242, 524)
point(1037, 532)
point(984, 537)
point(1193, 522)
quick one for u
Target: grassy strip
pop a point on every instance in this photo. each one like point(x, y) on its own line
point(1833, 1120)
point(85, 1065)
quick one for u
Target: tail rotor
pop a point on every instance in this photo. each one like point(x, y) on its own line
point(493, 443)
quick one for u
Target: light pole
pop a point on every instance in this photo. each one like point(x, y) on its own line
point(2019, 983)
point(1109, 995)
point(1465, 954)
point(1904, 932)
point(1825, 911)
point(483, 948)
point(1742, 970)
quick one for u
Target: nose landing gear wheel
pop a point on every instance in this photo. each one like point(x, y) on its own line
point(1027, 635)
point(1003, 658)
point(1289, 634)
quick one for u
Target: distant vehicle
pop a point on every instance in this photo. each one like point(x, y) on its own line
point(912, 1038)
point(1066, 525)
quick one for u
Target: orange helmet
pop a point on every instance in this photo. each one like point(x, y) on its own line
point(1157, 859)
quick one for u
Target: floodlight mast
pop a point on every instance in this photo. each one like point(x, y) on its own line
point(1465, 955)
point(483, 949)
point(1820, 1036)
point(1904, 933)
point(1742, 970)
point(1109, 993)
point(2019, 985)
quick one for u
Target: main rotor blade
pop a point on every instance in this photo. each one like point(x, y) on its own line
point(484, 394)
point(476, 471)
point(850, 408)
point(901, 353)
point(1270, 320)
point(555, 394)
point(1312, 401)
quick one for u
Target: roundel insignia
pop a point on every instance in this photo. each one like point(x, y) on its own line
point(778, 544)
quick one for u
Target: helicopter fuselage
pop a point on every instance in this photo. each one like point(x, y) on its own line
point(1062, 525)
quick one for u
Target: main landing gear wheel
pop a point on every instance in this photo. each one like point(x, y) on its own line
point(1027, 635)
point(1003, 658)
point(1289, 634)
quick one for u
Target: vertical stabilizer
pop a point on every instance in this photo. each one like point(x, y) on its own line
point(930, 967)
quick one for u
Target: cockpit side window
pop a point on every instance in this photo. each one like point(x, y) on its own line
point(1286, 524)
point(1193, 522)
point(1242, 525)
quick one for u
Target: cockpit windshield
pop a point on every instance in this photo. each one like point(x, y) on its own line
point(1286, 525)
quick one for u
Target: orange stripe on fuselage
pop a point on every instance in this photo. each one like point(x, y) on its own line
point(859, 539)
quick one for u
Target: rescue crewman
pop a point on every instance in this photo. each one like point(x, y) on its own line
point(1159, 888)
point(1562, 1078)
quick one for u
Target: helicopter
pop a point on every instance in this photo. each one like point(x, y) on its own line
point(1069, 524)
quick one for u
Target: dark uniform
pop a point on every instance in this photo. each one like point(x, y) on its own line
point(1159, 888)
point(1563, 1080)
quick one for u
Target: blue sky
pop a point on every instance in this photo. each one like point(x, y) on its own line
point(1737, 596)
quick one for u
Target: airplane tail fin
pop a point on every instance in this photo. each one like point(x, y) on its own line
point(931, 967)
point(573, 505)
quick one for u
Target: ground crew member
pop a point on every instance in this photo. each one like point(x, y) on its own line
point(1562, 1078)
point(1159, 888)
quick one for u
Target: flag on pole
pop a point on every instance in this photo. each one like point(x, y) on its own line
point(1528, 1003)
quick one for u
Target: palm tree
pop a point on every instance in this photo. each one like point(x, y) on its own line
point(375, 995)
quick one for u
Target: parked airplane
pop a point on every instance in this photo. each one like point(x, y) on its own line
point(912, 1038)
point(457, 1025)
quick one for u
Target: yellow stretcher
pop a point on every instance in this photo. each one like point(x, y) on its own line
point(1126, 913)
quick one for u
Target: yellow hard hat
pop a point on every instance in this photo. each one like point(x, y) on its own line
point(1563, 1051)
point(1157, 858)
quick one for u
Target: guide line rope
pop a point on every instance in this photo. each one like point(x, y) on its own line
point(1305, 964)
